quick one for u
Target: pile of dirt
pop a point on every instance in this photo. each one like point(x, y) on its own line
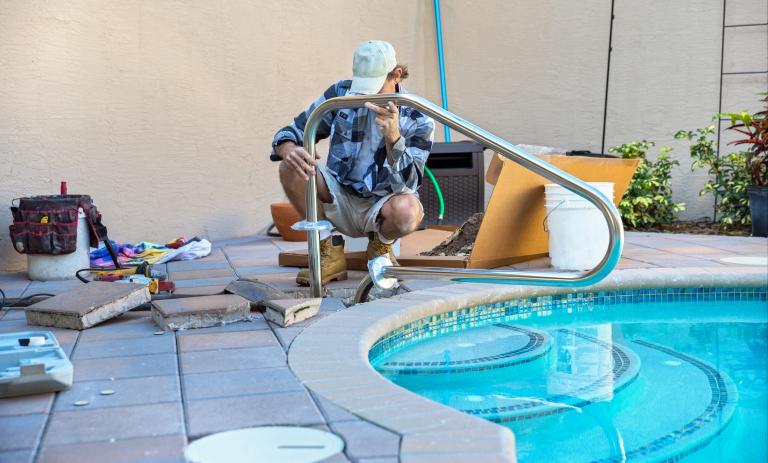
point(461, 241)
point(702, 227)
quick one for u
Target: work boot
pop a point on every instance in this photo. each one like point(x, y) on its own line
point(376, 248)
point(333, 263)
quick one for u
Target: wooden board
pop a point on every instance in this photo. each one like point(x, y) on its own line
point(410, 247)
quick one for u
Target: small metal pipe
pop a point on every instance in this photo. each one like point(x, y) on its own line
point(506, 149)
point(313, 236)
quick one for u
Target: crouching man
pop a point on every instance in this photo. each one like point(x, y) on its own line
point(375, 162)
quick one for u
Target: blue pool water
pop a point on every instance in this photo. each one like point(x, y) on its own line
point(576, 381)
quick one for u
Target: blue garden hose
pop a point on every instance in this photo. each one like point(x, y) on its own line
point(444, 97)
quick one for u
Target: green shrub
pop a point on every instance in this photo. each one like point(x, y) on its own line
point(648, 200)
point(729, 176)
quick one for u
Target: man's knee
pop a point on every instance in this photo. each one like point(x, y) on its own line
point(405, 213)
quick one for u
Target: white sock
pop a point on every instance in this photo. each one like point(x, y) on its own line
point(325, 234)
point(384, 240)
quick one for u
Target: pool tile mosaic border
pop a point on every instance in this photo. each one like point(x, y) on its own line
point(538, 345)
point(520, 309)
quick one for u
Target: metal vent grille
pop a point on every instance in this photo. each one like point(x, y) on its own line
point(458, 168)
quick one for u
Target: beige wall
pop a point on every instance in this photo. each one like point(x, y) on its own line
point(163, 111)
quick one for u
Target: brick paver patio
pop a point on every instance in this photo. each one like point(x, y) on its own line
point(171, 388)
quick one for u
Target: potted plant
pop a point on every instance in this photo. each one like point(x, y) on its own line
point(755, 128)
point(283, 216)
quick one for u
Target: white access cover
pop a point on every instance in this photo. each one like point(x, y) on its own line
point(32, 362)
point(274, 444)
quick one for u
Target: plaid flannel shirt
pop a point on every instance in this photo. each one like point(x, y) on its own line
point(357, 155)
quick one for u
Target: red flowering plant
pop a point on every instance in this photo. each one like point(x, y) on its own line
point(755, 128)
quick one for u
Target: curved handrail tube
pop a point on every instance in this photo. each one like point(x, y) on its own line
point(506, 149)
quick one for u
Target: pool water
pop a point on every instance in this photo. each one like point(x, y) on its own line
point(623, 382)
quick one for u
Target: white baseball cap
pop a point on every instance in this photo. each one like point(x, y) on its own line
point(372, 62)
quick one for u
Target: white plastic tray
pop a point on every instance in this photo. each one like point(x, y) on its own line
point(32, 369)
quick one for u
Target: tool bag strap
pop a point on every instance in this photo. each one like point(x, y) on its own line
point(98, 231)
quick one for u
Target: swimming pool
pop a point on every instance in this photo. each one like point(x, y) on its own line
point(650, 374)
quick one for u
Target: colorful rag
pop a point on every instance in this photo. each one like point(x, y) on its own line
point(134, 254)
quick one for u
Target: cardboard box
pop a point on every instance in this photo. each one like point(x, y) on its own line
point(513, 226)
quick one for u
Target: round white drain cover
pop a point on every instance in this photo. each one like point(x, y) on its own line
point(746, 260)
point(278, 444)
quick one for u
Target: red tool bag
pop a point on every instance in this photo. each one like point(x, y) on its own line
point(48, 224)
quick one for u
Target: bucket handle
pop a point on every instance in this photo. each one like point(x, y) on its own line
point(544, 222)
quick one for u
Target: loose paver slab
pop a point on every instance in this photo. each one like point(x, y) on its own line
point(255, 291)
point(200, 312)
point(286, 312)
point(87, 305)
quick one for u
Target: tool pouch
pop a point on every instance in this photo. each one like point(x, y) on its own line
point(48, 224)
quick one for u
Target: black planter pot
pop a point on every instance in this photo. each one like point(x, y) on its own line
point(758, 208)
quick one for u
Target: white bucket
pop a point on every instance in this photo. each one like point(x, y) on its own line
point(578, 232)
point(43, 267)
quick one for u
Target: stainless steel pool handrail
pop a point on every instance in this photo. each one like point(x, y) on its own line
point(491, 141)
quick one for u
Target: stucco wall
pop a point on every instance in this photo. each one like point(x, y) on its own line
point(163, 111)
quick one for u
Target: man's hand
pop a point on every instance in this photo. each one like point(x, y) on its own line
point(298, 158)
point(388, 121)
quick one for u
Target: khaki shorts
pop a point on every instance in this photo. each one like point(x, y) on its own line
point(351, 214)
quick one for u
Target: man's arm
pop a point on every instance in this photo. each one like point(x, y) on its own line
point(288, 141)
point(406, 154)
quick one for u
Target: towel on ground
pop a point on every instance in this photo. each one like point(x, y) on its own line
point(134, 254)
